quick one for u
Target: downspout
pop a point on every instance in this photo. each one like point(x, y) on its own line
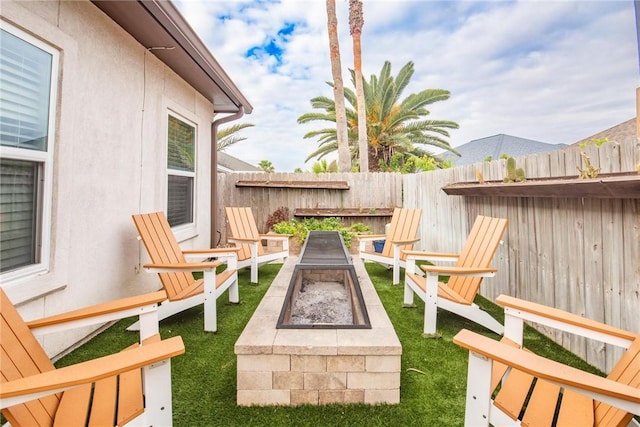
point(214, 170)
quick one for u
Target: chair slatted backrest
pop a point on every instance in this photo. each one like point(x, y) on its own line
point(626, 371)
point(242, 225)
point(23, 356)
point(404, 226)
point(163, 248)
point(478, 251)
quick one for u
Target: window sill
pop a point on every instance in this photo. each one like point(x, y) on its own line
point(185, 232)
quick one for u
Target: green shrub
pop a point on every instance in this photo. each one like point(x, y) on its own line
point(300, 229)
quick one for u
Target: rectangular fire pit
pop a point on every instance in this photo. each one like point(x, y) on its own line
point(294, 366)
point(324, 291)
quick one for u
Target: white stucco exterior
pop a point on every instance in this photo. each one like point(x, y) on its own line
point(110, 159)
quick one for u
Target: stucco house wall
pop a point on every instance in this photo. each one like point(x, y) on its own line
point(110, 159)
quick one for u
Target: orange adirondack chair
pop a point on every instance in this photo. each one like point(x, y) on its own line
point(176, 274)
point(402, 235)
point(535, 391)
point(133, 386)
point(457, 295)
point(244, 234)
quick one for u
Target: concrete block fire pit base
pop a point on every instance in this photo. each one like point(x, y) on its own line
point(317, 366)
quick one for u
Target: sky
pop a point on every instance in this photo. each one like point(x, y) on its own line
point(552, 71)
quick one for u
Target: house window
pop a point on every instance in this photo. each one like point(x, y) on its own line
point(27, 111)
point(180, 171)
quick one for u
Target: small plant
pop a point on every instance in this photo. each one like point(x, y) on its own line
point(359, 227)
point(589, 171)
point(279, 215)
point(514, 174)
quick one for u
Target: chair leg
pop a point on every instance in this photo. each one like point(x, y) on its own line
point(408, 294)
point(431, 305)
point(210, 322)
point(157, 394)
point(396, 264)
point(254, 262)
point(234, 294)
point(478, 402)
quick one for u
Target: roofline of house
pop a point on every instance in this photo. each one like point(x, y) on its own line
point(159, 26)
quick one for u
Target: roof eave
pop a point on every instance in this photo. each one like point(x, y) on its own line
point(159, 27)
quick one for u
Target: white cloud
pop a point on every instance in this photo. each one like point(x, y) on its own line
point(554, 71)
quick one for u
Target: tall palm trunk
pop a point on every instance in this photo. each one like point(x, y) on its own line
point(356, 21)
point(344, 155)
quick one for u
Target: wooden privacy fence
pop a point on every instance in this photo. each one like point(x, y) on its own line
point(368, 198)
point(578, 253)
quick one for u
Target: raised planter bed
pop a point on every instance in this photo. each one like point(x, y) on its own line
point(606, 186)
point(320, 185)
point(343, 212)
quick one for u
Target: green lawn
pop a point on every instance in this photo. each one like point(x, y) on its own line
point(433, 378)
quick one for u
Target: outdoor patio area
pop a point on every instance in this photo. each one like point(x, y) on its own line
point(432, 374)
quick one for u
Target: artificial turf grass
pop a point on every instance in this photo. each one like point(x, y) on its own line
point(433, 376)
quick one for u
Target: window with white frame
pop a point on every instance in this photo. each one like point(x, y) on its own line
point(181, 175)
point(27, 112)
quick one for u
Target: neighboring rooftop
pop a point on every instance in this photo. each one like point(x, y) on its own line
point(228, 163)
point(494, 146)
point(621, 132)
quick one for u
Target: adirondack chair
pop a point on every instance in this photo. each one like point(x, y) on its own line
point(537, 391)
point(176, 274)
point(402, 234)
point(465, 277)
point(244, 234)
point(131, 387)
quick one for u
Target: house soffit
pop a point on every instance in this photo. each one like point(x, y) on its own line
point(160, 27)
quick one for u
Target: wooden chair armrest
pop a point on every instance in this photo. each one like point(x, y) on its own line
point(54, 381)
point(431, 256)
point(184, 266)
point(212, 251)
point(405, 242)
point(518, 307)
point(367, 237)
point(241, 239)
point(594, 386)
point(110, 307)
point(459, 271)
point(275, 236)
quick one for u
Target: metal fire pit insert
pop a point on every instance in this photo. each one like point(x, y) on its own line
point(324, 291)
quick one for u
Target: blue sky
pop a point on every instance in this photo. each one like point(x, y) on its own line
point(552, 71)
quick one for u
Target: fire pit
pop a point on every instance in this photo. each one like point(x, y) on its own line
point(319, 364)
point(324, 291)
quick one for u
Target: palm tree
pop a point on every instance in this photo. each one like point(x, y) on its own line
point(323, 167)
point(394, 125)
point(344, 158)
point(356, 21)
point(266, 166)
point(228, 137)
